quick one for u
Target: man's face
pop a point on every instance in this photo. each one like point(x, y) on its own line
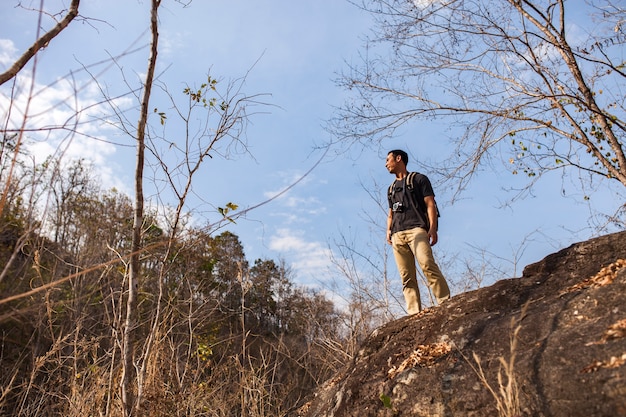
point(392, 163)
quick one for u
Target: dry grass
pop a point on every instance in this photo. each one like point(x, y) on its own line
point(506, 392)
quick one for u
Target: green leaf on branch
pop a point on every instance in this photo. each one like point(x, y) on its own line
point(225, 210)
point(161, 115)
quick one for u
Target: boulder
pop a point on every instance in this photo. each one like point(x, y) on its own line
point(551, 343)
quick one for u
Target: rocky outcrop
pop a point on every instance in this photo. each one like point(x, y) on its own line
point(552, 341)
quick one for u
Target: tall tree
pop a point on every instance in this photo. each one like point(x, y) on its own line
point(535, 84)
point(128, 398)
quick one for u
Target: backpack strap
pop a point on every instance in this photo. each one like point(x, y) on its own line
point(412, 195)
point(415, 205)
point(409, 180)
point(408, 183)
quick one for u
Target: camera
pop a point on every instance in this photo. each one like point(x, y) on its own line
point(397, 207)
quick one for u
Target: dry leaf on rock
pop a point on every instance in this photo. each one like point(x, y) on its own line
point(604, 277)
point(424, 355)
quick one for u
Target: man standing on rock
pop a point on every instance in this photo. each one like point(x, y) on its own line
point(412, 230)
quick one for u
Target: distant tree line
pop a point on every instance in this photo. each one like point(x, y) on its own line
point(234, 338)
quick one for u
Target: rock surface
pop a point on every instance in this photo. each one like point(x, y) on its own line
point(562, 325)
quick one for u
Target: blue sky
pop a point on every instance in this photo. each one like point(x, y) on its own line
point(292, 51)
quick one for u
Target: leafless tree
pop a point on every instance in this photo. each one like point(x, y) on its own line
point(128, 399)
point(533, 84)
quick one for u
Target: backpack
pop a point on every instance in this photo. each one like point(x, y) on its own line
point(415, 202)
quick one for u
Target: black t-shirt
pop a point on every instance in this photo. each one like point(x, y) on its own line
point(404, 216)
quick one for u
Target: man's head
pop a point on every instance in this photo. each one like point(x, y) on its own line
point(403, 155)
point(396, 161)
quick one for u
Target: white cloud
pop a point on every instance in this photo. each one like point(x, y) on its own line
point(288, 178)
point(308, 258)
point(296, 208)
point(309, 206)
point(8, 53)
point(64, 119)
point(423, 3)
point(171, 42)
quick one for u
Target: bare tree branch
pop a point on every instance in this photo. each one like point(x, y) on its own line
point(40, 43)
point(518, 81)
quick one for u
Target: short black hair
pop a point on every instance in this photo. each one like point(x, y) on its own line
point(403, 155)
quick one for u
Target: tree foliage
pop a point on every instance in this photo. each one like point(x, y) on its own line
point(225, 328)
point(117, 306)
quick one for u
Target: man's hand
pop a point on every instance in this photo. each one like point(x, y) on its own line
point(432, 237)
point(431, 211)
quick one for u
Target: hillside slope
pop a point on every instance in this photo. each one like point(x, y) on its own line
point(563, 322)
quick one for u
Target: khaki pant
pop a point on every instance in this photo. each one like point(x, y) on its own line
point(409, 245)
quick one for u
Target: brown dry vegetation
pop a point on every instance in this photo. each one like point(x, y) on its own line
point(230, 336)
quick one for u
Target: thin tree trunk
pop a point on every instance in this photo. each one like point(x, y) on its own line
point(128, 394)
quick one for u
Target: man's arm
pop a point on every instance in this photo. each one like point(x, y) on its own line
point(431, 210)
point(389, 219)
